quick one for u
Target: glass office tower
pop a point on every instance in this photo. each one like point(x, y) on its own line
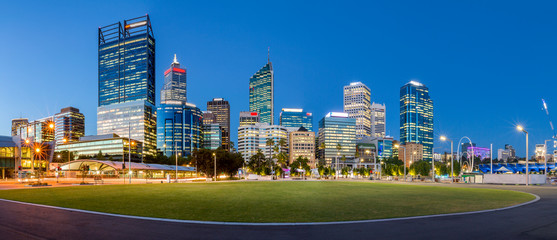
point(261, 93)
point(334, 129)
point(174, 88)
point(127, 81)
point(69, 124)
point(357, 103)
point(179, 128)
point(221, 111)
point(416, 117)
point(296, 117)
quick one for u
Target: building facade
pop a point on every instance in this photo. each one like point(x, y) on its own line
point(69, 125)
point(357, 103)
point(416, 117)
point(295, 118)
point(301, 143)
point(378, 120)
point(175, 83)
point(261, 92)
point(221, 109)
point(179, 128)
point(111, 147)
point(209, 118)
point(17, 124)
point(337, 129)
point(412, 152)
point(252, 138)
point(248, 118)
point(126, 55)
point(41, 130)
point(212, 136)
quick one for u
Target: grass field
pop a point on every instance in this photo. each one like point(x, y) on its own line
point(285, 201)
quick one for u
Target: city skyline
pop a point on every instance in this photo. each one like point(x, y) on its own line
point(492, 121)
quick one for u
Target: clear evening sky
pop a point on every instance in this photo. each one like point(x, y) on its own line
point(487, 64)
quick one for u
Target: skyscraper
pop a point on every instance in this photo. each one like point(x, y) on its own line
point(261, 93)
point(127, 81)
point(179, 128)
point(378, 120)
point(357, 103)
point(221, 109)
point(416, 117)
point(69, 124)
point(296, 117)
point(17, 124)
point(174, 88)
point(337, 129)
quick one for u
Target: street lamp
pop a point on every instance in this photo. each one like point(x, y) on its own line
point(545, 157)
point(215, 157)
point(398, 146)
point(443, 138)
point(520, 128)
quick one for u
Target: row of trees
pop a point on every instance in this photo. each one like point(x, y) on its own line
point(395, 167)
point(228, 163)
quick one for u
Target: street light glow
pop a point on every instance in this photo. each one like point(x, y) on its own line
point(37, 150)
point(443, 138)
point(520, 128)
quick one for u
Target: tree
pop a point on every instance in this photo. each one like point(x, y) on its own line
point(205, 161)
point(300, 163)
point(270, 144)
point(421, 168)
point(99, 155)
point(84, 170)
point(257, 163)
point(228, 162)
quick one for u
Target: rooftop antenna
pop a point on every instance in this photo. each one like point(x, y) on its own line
point(175, 59)
point(268, 54)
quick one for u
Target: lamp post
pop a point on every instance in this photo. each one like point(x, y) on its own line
point(215, 157)
point(443, 138)
point(545, 157)
point(398, 146)
point(520, 128)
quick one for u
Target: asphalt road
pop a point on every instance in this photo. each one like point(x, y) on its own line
point(533, 221)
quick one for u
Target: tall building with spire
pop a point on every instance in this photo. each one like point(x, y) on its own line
point(416, 117)
point(261, 93)
point(357, 103)
point(126, 103)
point(174, 88)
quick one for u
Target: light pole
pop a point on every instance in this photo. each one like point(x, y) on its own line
point(545, 157)
point(443, 138)
point(398, 146)
point(520, 128)
point(433, 165)
point(215, 157)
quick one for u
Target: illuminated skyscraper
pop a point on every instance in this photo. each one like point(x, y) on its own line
point(179, 128)
point(127, 81)
point(416, 117)
point(296, 118)
point(337, 129)
point(174, 88)
point(69, 124)
point(261, 93)
point(378, 120)
point(357, 103)
point(221, 110)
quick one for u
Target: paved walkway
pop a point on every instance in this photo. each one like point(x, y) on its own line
point(533, 221)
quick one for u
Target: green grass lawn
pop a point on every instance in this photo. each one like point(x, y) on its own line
point(283, 201)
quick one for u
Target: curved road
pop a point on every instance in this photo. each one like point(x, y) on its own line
point(533, 221)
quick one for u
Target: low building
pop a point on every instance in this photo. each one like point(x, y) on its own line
point(248, 118)
point(301, 143)
point(111, 147)
point(252, 138)
point(412, 152)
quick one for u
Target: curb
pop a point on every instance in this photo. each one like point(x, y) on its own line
point(276, 224)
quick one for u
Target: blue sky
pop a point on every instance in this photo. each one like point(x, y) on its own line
point(487, 64)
